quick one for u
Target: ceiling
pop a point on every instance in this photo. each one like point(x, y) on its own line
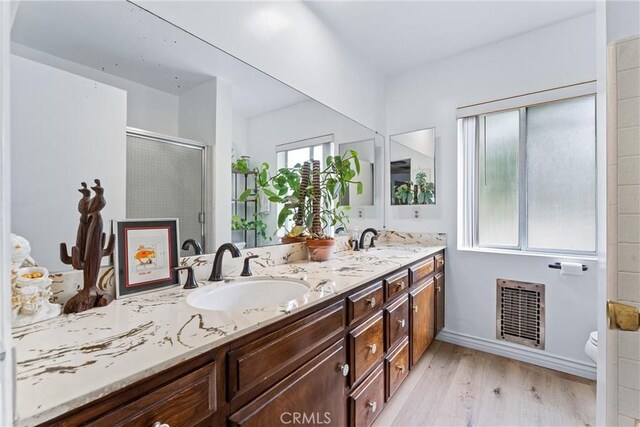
point(123, 40)
point(397, 35)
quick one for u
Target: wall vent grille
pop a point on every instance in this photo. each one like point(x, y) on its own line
point(520, 313)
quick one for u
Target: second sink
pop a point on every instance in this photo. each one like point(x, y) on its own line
point(256, 292)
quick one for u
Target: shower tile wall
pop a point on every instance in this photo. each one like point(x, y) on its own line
point(623, 138)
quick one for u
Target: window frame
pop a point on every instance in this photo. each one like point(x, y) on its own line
point(523, 209)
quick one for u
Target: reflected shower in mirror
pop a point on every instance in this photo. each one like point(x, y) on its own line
point(412, 167)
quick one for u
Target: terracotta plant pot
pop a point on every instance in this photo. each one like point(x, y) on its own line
point(320, 249)
point(298, 239)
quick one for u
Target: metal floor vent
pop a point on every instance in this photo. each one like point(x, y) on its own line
point(520, 313)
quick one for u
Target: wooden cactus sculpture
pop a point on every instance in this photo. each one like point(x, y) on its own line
point(89, 250)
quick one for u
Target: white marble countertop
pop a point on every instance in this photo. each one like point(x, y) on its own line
point(72, 360)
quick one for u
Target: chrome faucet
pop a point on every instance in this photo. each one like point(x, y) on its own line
point(216, 273)
point(197, 248)
point(373, 238)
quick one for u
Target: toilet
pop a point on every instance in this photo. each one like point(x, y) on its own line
point(591, 347)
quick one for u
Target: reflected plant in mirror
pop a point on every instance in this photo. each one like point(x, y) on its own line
point(311, 198)
point(412, 168)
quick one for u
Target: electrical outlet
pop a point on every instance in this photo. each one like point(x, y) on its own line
point(416, 213)
point(360, 213)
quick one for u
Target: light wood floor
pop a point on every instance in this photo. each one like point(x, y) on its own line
point(457, 386)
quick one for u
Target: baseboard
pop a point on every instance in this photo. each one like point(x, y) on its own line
point(524, 354)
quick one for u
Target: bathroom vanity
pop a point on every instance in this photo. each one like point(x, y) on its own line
point(335, 360)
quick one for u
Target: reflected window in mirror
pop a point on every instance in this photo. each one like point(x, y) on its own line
point(412, 167)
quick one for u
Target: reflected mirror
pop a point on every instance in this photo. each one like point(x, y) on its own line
point(172, 126)
point(412, 167)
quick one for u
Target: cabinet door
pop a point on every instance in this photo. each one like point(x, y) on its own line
point(314, 394)
point(422, 319)
point(439, 302)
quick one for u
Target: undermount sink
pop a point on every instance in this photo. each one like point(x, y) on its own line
point(250, 293)
point(388, 253)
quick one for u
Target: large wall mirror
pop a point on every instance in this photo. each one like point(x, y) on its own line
point(172, 126)
point(412, 160)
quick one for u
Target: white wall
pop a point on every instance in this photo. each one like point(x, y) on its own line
point(623, 19)
point(65, 129)
point(304, 120)
point(205, 115)
point(428, 96)
point(289, 42)
point(240, 134)
point(147, 108)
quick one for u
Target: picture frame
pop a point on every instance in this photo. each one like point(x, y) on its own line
point(145, 255)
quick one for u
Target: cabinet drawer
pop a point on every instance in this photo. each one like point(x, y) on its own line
point(316, 391)
point(271, 357)
point(364, 302)
point(365, 347)
point(421, 270)
point(366, 401)
point(439, 259)
point(395, 284)
point(397, 321)
point(397, 367)
point(184, 402)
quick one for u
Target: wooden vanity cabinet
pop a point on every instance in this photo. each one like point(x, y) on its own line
point(314, 394)
point(333, 364)
point(439, 304)
point(422, 312)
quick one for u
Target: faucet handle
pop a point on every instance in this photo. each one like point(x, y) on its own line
point(246, 270)
point(372, 243)
point(191, 281)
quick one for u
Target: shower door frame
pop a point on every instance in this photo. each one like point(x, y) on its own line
point(186, 143)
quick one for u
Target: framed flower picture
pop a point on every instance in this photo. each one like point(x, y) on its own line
point(146, 254)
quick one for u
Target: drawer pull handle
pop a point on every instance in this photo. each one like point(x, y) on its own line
point(344, 369)
point(415, 308)
point(438, 289)
point(371, 302)
point(159, 424)
point(373, 348)
point(400, 285)
point(373, 406)
point(402, 323)
point(400, 368)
